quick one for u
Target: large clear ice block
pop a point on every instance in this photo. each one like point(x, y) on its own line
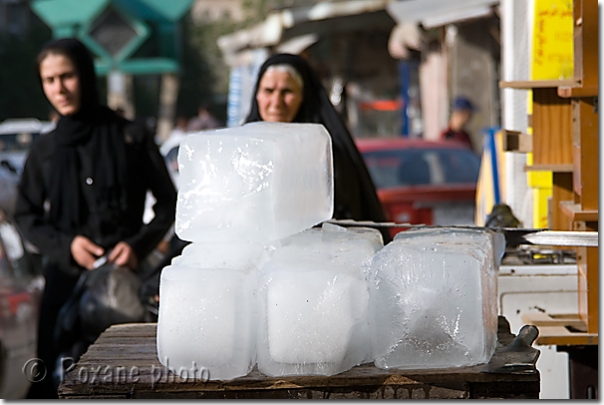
point(261, 181)
point(313, 304)
point(208, 309)
point(434, 298)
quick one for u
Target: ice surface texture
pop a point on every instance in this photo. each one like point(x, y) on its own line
point(206, 321)
point(313, 304)
point(262, 181)
point(207, 313)
point(433, 299)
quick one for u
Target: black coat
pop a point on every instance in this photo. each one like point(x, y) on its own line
point(146, 171)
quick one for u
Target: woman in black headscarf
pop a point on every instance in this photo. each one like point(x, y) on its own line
point(83, 188)
point(288, 90)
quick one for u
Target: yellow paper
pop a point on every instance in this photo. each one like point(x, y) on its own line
point(552, 51)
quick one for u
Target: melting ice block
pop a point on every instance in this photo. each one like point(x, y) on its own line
point(433, 299)
point(341, 239)
point(207, 314)
point(261, 181)
point(313, 304)
point(243, 256)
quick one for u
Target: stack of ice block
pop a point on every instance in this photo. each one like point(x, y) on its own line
point(240, 189)
point(259, 285)
point(314, 301)
point(433, 298)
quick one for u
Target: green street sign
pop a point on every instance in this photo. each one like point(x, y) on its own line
point(115, 30)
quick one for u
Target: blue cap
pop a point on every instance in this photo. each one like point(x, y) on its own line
point(462, 103)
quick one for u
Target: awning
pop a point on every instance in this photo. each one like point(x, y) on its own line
point(435, 13)
point(404, 36)
point(271, 32)
point(297, 44)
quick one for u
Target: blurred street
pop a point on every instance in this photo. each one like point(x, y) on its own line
point(438, 96)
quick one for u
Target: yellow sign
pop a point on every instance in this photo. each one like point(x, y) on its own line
point(552, 53)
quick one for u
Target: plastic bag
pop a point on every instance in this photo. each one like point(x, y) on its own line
point(111, 297)
point(102, 297)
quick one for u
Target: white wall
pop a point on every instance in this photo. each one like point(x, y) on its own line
point(516, 23)
point(434, 94)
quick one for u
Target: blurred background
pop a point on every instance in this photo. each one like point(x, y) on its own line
point(383, 63)
point(392, 69)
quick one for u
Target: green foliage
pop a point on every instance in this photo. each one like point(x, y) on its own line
point(196, 81)
point(205, 75)
point(21, 95)
point(256, 10)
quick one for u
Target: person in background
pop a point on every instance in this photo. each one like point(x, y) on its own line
point(203, 121)
point(461, 114)
point(82, 190)
point(289, 90)
point(177, 135)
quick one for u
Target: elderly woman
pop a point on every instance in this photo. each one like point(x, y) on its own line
point(288, 90)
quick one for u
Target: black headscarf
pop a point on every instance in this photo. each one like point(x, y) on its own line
point(355, 196)
point(97, 126)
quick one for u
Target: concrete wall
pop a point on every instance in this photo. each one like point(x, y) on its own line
point(434, 89)
point(516, 37)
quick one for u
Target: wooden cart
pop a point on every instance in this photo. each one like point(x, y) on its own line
point(123, 363)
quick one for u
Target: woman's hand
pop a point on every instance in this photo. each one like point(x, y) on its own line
point(85, 252)
point(123, 255)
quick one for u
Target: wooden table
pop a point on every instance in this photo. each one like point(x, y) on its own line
point(123, 363)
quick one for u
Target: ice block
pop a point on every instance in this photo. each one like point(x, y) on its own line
point(261, 181)
point(433, 299)
point(313, 304)
point(207, 321)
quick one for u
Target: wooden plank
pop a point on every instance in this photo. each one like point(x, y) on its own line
point(544, 319)
point(515, 141)
point(536, 84)
point(388, 392)
point(562, 189)
point(588, 287)
point(586, 152)
point(123, 365)
point(560, 168)
point(575, 213)
point(552, 128)
point(561, 336)
point(586, 38)
point(560, 329)
point(570, 92)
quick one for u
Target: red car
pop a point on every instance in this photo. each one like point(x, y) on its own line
point(423, 182)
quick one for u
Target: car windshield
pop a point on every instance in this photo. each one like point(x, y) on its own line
point(415, 167)
point(16, 138)
point(17, 135)
point(17, 142)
